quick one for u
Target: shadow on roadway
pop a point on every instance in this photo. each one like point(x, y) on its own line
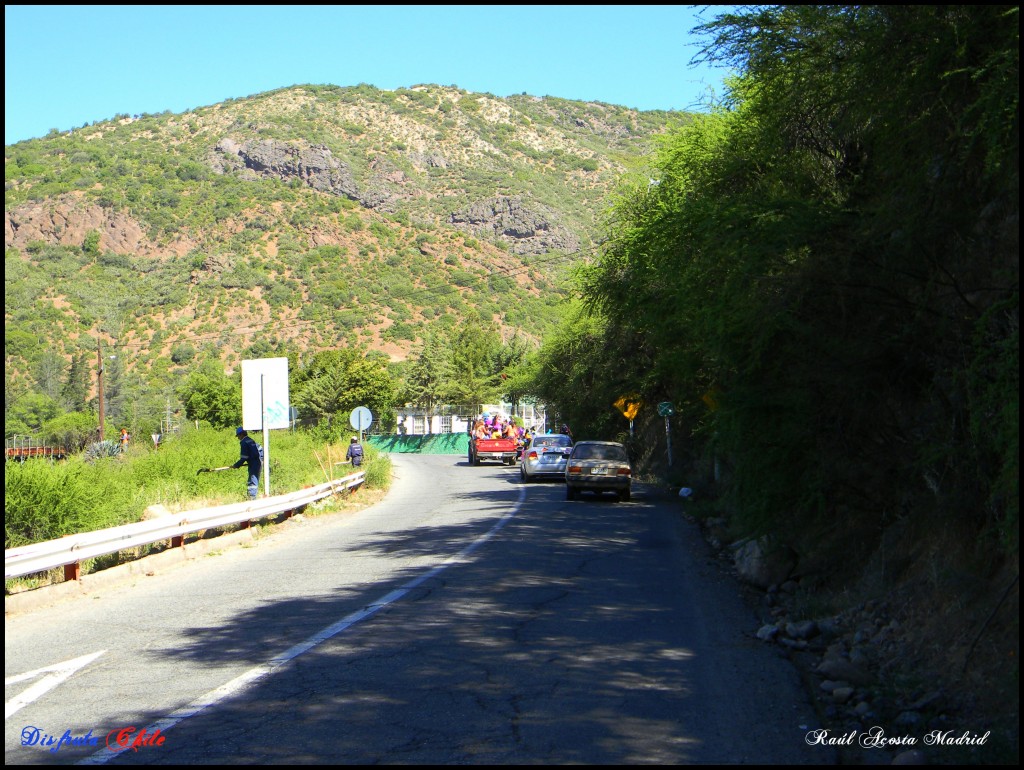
point(569, 637)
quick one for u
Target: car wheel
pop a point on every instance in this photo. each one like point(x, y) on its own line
point(570, 492)
point(522, 475)
point(624, 496)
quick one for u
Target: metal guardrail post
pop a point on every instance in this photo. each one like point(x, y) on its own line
point(72, 571)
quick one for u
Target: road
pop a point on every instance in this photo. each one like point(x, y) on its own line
point(467, 618)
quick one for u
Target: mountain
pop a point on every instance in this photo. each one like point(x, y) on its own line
point(307, 216)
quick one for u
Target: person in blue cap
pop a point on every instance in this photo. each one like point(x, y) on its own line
point(251, 456)
point(355, 452)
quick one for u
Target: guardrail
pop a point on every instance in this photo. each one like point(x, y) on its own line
point(69, 551)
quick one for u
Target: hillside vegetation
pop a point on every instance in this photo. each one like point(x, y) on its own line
point(295, 221)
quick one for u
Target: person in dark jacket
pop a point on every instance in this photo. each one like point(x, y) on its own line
point(251, 456)
point(355, 452)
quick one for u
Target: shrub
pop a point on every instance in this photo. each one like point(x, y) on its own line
point(182, 353)
point(71, 431)
point(43, 501)
point(101, 449)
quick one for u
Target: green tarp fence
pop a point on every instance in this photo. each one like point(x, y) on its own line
point(437, 444)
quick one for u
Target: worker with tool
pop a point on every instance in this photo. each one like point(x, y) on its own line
point(252, 456)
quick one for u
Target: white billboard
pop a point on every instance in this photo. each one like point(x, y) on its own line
point(265, 394)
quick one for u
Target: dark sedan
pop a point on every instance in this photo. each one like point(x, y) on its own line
point(598, 466)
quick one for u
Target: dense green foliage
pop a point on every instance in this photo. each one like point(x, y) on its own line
point(334, 382)
point(824, 278)
point(210, 395)
point(44, 500)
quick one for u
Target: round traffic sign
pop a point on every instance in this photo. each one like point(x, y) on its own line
point(360, 418)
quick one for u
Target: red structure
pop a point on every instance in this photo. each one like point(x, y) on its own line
point(21, 448)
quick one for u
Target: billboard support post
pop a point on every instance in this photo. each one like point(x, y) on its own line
point(265, 402)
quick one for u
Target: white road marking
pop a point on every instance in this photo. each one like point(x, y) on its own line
point(55, 674)
point(242, 682)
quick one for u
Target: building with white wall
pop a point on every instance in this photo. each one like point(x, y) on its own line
point(414, 421)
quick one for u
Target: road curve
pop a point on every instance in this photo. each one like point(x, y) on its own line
point(468, 618)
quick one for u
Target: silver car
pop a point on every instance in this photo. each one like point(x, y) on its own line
point(544, 457)
point(598, 466)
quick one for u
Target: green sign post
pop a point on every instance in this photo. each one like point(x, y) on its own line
point(666, 410)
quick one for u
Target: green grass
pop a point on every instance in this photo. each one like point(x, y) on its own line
point(44, 500)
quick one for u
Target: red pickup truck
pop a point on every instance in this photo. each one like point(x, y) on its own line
point(504, 449)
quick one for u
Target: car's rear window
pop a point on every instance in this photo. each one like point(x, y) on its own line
point(599, 452)
point(552, 441)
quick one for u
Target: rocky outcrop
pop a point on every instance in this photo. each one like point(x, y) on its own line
point(503, 218)
point(213, 265)
point(428, 160)
point(314, 165)
point(68, 219)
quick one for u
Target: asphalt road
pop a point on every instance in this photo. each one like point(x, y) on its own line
point(466, 619)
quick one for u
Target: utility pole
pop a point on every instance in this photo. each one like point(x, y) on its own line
point(99, 375)
point(99, 378)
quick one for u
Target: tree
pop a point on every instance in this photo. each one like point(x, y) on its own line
point(72, 431)
point(510, 362)
point(830, 249)
point(472, 362)
point(182, 352)
point(75, 391)
point(91, 243)
point(210, 395)
point(580, 371)
point(427, 374)
point(26, 415)
point(50, 373)
point(119, 387)
point(334, 382)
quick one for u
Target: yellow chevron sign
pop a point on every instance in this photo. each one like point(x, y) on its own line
point(629, 405)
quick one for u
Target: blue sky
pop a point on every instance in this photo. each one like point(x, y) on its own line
point(65, 66)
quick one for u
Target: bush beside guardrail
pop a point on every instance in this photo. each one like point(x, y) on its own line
point(68, 552)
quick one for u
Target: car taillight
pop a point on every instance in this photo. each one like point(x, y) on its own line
point(575, 468)
point(624, 472)
point(532, 455)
